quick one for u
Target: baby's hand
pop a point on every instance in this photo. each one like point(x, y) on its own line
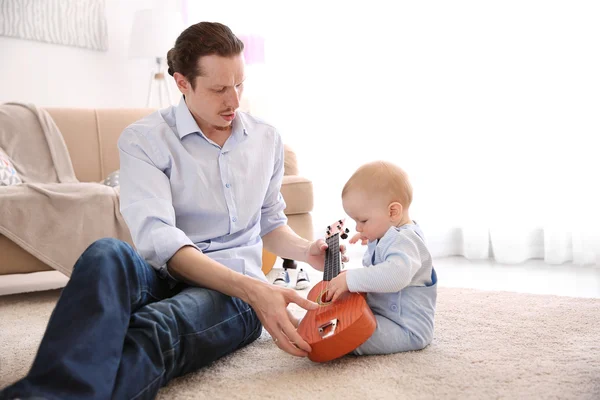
point(357, 237)
point(337, 287)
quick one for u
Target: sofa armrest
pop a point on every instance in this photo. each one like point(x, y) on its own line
point(290, 164)
point(297, 191)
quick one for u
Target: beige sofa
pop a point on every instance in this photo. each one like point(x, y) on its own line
point(91, 137)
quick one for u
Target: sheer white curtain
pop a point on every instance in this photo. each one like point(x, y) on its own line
point(492, 108)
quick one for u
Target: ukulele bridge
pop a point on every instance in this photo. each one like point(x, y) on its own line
point(328, 328)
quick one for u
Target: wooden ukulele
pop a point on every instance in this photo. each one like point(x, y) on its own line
point(335, 328)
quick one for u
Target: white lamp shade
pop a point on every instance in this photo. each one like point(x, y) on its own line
point(154, 32)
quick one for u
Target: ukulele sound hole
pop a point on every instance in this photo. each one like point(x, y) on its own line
point(322, 299)
point(328, 328)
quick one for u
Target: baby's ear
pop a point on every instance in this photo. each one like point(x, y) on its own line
point(395, 210)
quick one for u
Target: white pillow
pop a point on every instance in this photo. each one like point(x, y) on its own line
point(8, 174)
point(112, 179)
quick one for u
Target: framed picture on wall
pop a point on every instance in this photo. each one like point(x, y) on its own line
point(79, 23)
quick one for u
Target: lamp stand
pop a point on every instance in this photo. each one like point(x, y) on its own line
point(159, 77)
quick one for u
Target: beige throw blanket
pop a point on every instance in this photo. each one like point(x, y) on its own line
point(32, 140)
point(51, 215)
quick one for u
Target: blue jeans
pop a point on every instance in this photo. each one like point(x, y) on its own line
point(121, 332)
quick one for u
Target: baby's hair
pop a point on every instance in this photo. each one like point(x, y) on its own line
point(381, 178)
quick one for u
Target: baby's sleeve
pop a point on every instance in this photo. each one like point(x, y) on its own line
point(402, 261)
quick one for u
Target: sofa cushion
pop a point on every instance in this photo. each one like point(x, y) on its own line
point(8, 174)
point(297, 192)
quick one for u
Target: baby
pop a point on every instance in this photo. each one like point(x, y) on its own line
point(399, 277)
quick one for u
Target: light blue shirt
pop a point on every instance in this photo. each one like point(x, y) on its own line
point(180, 188)
point(397, 260)
point(401, 287)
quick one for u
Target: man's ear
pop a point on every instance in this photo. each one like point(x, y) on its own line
point(395, 210)
point(182, 83)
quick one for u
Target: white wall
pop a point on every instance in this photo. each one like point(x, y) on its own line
point(54, 75)
point(477, 101)
point(490, 107)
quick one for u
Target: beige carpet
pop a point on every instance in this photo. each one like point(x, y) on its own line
point(487, 345)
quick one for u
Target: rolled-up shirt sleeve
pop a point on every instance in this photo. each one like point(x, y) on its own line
point(272, 215)
point(146, 202)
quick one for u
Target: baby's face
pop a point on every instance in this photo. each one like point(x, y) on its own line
point(370, 214)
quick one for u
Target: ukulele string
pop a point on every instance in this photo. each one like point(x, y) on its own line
point(336, 264)
point(327, 275)
point(331, 270)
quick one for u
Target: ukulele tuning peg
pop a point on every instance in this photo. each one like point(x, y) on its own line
point(347, 230)
point(339, 227)
point(344, 236)
point(340, 221)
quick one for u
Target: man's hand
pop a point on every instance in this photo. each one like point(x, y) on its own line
point(363, 240)
point(315, 254)
point(270, 304)
point(337, 287)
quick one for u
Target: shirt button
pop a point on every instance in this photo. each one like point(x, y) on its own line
point(227, 185)
point(394, 308)
point(234, 219)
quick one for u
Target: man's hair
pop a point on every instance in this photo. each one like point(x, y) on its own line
point(198, 40)
point(383, 179)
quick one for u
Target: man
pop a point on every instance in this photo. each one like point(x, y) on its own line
point(200, 193)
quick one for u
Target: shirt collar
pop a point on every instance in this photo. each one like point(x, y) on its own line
point(186, 123)
point(238, 127)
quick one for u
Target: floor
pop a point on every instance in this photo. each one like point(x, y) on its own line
point(534, 276)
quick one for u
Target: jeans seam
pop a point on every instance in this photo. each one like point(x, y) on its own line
point(202, 331)
point(172, 349)
point(149, 293)
point(142, 291)
point(259, 327)
point(148, 385)
point(214, 326)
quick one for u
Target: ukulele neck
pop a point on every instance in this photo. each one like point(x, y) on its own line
point(332, 257)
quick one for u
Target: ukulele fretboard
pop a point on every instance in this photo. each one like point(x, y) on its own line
point(332, 257)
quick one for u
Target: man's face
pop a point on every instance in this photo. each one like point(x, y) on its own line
point(217, 93)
